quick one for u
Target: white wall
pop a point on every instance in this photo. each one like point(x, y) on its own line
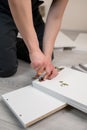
point(75, 16)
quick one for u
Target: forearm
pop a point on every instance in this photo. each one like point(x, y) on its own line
point(53, 24)
point(22, 14)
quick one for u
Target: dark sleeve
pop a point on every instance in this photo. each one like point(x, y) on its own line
point(36, 4)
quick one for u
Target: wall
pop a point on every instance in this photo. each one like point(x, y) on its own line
point(75, 16)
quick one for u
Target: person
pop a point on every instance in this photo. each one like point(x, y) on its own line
point(36, 47)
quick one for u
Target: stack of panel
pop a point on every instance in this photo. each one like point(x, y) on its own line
point(69, 86)
point(41, 99)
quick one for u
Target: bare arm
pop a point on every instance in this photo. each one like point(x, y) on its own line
point(53, 23)
point(22, 14)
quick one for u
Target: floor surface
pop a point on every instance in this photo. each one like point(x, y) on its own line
point(66, 119)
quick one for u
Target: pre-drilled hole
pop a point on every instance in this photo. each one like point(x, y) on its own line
point(20, 115)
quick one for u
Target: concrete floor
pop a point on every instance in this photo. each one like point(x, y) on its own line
point(67, 119)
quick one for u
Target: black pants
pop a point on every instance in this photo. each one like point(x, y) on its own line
point(12, 47)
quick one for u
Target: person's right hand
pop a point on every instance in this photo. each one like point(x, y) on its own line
point(41, 63)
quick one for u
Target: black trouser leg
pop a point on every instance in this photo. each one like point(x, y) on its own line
point(8, 58)
point(12, 47)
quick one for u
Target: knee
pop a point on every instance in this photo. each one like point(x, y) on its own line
point(8, 66)
point(8, 58)
point(7, 71)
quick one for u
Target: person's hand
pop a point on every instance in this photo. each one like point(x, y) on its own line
point(41, 63)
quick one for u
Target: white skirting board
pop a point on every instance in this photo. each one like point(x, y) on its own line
point(69, 86)
point(30, 105)
point(81, 42)
point(63, 40)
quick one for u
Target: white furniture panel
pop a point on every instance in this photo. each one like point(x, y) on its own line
point(30, 105)
point(81, 42)
point(63, 40)
point(74, 92)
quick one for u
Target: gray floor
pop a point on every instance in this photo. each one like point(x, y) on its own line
point(66, 119)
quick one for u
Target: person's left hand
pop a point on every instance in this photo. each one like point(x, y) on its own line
point(50, 70)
